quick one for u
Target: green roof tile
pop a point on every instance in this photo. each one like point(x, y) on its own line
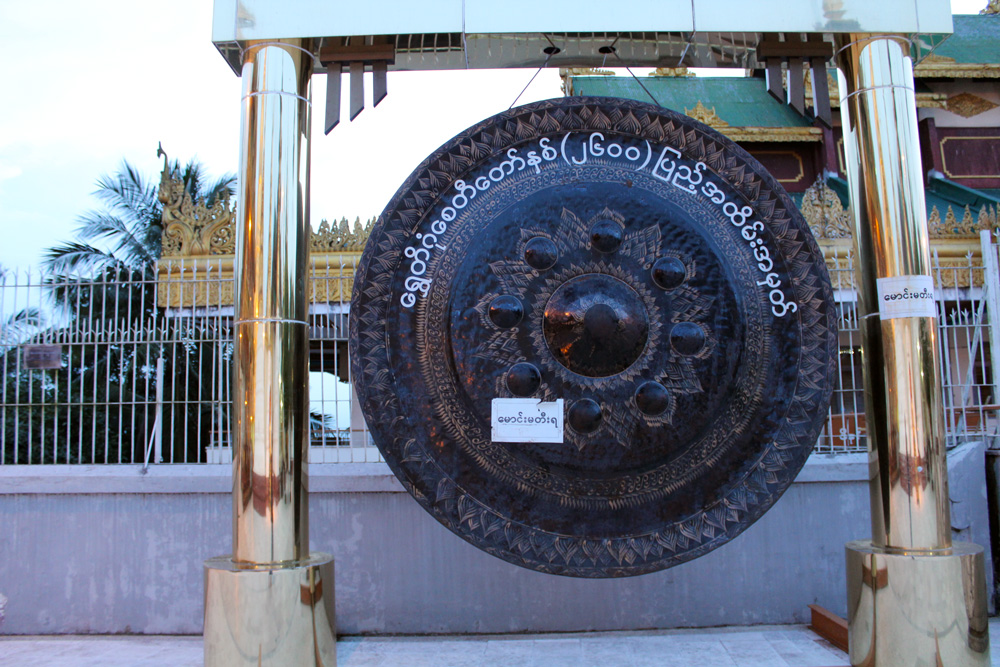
point(976, 40)
point(740, 101)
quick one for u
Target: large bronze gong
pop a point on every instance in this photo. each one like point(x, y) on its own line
point(649, 293)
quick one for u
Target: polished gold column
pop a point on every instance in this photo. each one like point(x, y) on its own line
point(914, 598)
point(271, 601)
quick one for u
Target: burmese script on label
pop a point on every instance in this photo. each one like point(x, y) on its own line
point(527, 420)
point(906, 296)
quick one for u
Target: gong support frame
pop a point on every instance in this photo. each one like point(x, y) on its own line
point(913, 597)
point(270, 602)
point(907, 586)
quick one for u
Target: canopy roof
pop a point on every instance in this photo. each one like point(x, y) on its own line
point(472, 34)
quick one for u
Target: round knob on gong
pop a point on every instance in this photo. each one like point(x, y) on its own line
point(595, 325)
point(585, 415)
point(687, 338)
point(506, 311)
point(606, 236)
point(668, 272)
point(541, 253)
point(523, 379)
point(652, 398)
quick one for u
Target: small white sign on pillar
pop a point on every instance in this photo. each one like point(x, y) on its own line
point(906, 296)
point(527, 420)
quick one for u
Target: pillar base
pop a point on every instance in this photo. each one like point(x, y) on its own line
point(275, 614)
point(917, 608)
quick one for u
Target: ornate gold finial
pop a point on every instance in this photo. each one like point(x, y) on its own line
point(966, 228)
point(822, 209)
point(165, 174)
point(705, 115)
point(343, 237)
point(191, 228)
point(992, 7)
point(933, 220)
point(985, 221)
point(671, 71)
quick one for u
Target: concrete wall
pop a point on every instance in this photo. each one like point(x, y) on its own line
point(109, 550)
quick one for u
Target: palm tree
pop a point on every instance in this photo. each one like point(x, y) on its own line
point(20, 326)
point(129, 226)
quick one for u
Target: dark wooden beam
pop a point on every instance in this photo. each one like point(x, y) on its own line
point(793, 47)
point(930, 146)
point(830, 161)
point(829, 626)
point(366, 53)
point(378, 82)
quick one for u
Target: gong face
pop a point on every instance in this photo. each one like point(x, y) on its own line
point(630, 287)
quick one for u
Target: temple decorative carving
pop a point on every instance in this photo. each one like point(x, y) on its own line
point(829, 219)
point(705, 115)
point(191, 228)
point(968, 105)
point(944, 67)
point(966, 228)
point(341, 237)
point(822, 209)
point(671, 71)
point(955, 237)
point(200, 240)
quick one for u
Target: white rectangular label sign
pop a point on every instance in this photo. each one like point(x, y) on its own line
point(527, 420)
point(906, 296)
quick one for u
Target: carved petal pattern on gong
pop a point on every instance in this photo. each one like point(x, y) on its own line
point(631, 262)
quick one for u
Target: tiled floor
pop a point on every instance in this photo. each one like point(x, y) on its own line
point(778, 646)
point(760, 646)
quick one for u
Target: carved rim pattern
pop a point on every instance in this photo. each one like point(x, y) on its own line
point(744, 501)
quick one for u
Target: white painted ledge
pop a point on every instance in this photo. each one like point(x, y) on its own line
point(374, 477)
point(824, 468)
point(207, 478)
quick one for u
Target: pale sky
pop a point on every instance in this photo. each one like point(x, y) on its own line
point(86, 85)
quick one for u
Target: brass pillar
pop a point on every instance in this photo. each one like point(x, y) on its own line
point(271, 601)
point(914, 598)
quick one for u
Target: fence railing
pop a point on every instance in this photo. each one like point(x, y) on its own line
point(967, 378)
point(134, 367)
